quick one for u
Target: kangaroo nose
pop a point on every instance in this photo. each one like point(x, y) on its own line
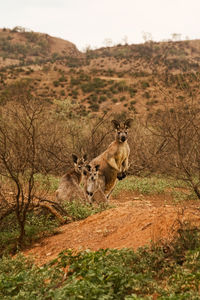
point(90, 193)
point(123, 138)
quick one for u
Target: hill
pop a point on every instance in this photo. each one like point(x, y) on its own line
point(19, 46)
point(134, 78)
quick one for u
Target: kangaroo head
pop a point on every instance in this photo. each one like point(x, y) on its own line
point(79, 163)
point(91, 174)
point(122, 129)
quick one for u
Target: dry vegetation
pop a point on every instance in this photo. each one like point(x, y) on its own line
point(61, 101)
point(134, 78)
point(55, 101)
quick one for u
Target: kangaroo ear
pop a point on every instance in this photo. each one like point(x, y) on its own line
point(128, 123)
point(88, 167)
point(75, 158)
point(97, 167)
point(85, 157)
point(116, 124)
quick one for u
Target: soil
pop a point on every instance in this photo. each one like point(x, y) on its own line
point(134, 221)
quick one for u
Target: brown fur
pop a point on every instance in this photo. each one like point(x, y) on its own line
point(69, 188)
point(114, 160)
point(92, 186)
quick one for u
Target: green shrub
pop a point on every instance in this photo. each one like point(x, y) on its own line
point(74, 81)
point(132, 91)
point(146, 95)
point(144, 84)
point(94, 107)
point(93, 85)
point(102, 98)
point(93, 98)
point(108, 274)
point(56, 83)
point(132, 102)
point(75, 93)
point(114, 100)
point(62, 79)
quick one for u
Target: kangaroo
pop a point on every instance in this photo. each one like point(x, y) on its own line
point(114, 160)
point(92, 185)
point(69, 188)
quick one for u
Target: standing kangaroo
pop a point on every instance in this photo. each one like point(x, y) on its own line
point(69, 188)
point(113, 161)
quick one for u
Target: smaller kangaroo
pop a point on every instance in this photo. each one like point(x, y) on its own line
point(92, 185)
point(69, 188)
point(114, 160)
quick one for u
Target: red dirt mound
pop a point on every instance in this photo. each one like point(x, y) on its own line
point(135, 222)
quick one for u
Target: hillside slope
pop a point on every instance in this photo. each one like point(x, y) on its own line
point(138, 79)
point(18, 46)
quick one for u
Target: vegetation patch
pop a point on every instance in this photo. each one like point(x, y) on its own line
point(150, 185)
point(40, 223)
point(149, 273)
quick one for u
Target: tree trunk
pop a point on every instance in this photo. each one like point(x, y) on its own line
point(22, 233)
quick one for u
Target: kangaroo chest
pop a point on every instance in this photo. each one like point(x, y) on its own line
point(121, 154)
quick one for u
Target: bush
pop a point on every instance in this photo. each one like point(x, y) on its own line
point(62, 79)
point(102, 99)
point(95, 84)
point(37, 226)
point(56, 83)
point(94, 106)
point(106, 274)
point(144, 84)
point(122, 98)
point(114, 100)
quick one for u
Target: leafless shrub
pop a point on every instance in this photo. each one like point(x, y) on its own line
point(24, 137)
point(145, 150)
point(178, 128)
point(79, 134)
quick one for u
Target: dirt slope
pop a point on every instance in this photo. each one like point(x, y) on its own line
point(134, 222)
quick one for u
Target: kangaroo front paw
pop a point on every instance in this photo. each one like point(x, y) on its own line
point(121, 175)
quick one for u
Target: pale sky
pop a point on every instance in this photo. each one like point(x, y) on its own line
point(91, 22)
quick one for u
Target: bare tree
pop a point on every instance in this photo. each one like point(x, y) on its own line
point(81, 134)
point(23, 134)
point(147, 37)
point(176, 36)
point(179, 128)
point(108, 42)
